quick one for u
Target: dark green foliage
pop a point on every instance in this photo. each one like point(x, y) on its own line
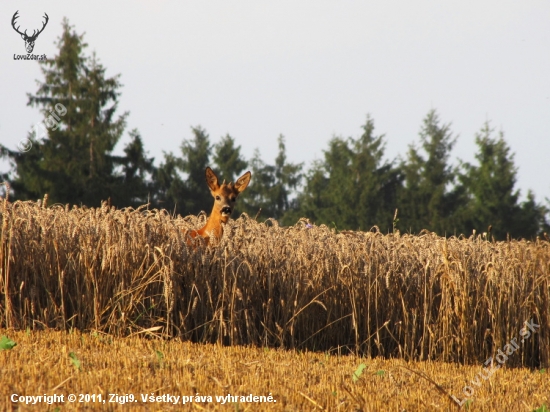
point(353, 188)
point(71, 160)
point(169, 186)
point(272, 185)
point(287, 178)
point(195, 159)
point(136, 174)
point(229, 164)
point(228, 161)
point(493, 198)
point(428, 199)
point(187, 193)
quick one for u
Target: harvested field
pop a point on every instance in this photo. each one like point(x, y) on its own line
point(63, 363)
point(304, 287)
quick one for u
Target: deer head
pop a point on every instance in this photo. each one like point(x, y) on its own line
point(225, 195)
point(29, 40)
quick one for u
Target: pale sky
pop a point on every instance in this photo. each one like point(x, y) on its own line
point(309, 70)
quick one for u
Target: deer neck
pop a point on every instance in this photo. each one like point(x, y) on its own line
point(213, 226)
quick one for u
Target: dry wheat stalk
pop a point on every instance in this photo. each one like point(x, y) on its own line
point(417, 297)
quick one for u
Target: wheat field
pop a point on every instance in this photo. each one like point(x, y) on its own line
point(128, 273)
point(302, 287)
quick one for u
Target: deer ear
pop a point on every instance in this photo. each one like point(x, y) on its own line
point(243, 182)
point(212, 180)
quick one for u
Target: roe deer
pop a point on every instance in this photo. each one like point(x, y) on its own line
point(225, 196)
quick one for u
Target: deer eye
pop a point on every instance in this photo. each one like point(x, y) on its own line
point(218, 198)
point(233, 199)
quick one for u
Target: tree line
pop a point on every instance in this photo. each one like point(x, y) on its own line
point(353, 186)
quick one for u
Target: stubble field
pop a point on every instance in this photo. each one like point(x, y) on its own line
point(51, 362)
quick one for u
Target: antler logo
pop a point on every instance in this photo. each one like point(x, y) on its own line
point(29, 40)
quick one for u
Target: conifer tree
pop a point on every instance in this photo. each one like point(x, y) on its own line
point(353, 187)
point(70, 157)
point(228, 160)
point(272, 186)
point(493, 198)
point(169, 187)
point(429, 199)
point(256, 200)
point(330, 196)
point(136, 174)
point(180, 181)
point(229, 164)
point(195, 158)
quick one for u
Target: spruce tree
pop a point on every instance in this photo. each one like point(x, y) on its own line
point(256, 200)
point(352, 187)
point(180, 184)
point(286, 182)
point(429, 199)
point(195, 158)
point(136, 172)
point(494, 200)
point(169, 187)
point(228, 161)
point(229, 164)
point(377, 182)
point(70, 156)
point(272, 186)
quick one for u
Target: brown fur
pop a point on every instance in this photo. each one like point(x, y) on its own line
point(225, 196)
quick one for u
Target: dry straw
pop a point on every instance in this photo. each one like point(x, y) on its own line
point(130, 271)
